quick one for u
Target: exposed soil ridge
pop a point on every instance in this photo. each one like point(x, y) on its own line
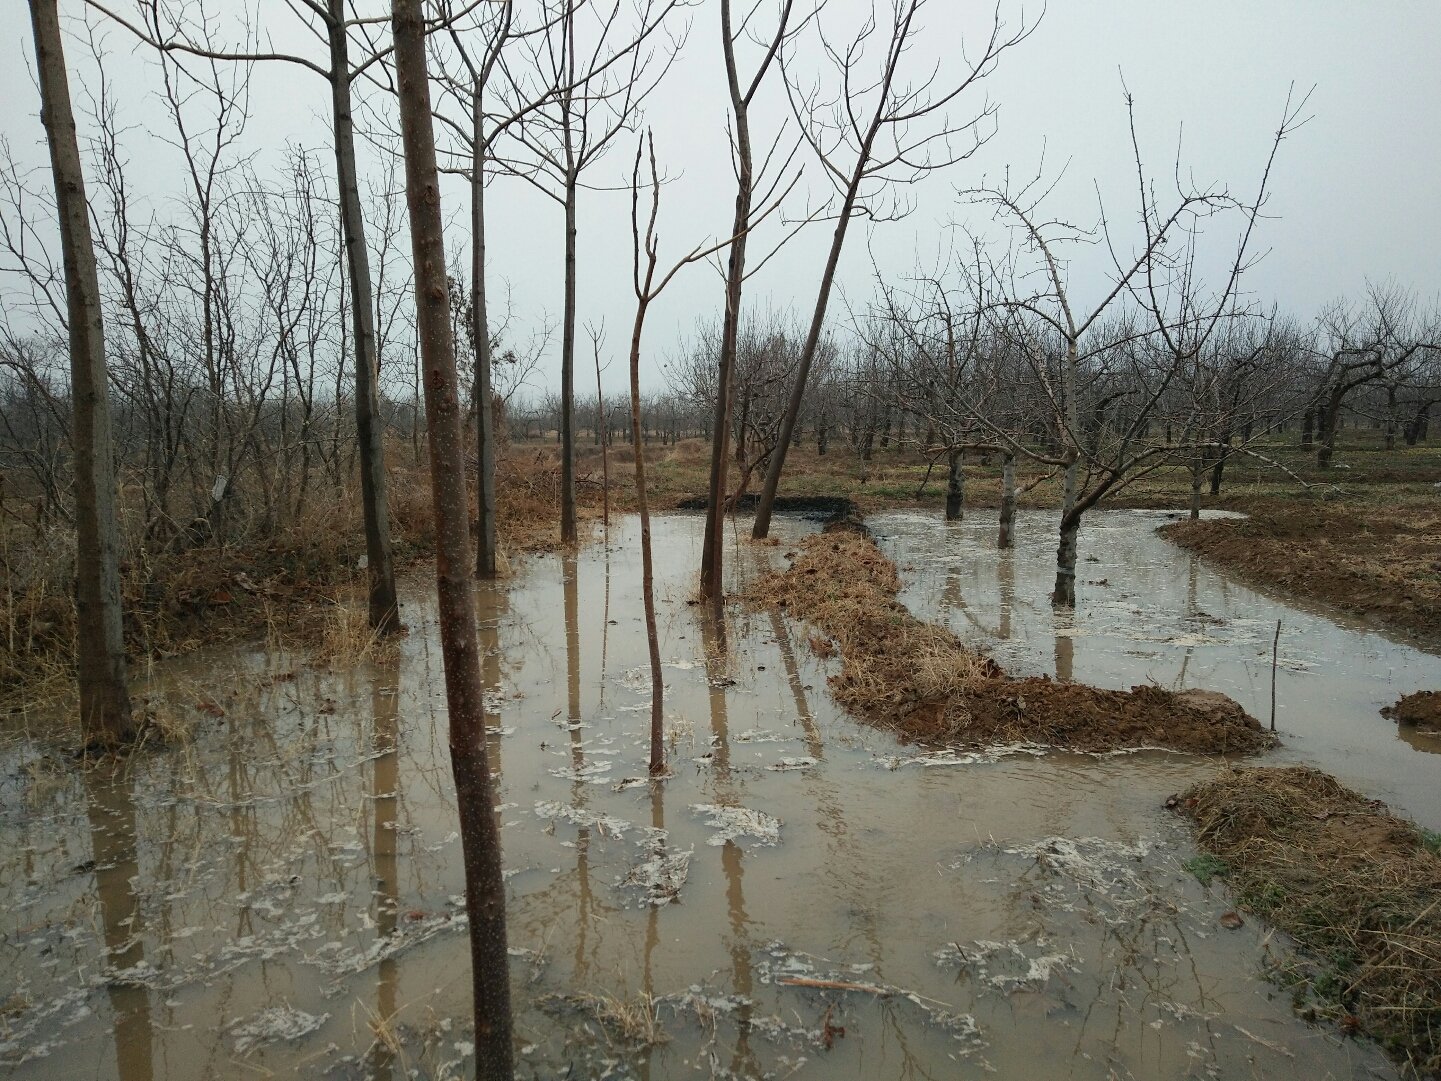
point(920, 680)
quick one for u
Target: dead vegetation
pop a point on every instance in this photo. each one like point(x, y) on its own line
point(920, 680)
point(1357, 886)
point(301, 586)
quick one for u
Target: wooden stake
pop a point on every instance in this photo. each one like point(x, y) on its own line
point(1275, 648)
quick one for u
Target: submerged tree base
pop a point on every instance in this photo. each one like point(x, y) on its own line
point(1356, 885)
point(920, 680)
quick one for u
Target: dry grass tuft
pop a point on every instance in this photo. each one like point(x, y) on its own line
point(1357, 886)
point(632, 1021)
point(345, 637)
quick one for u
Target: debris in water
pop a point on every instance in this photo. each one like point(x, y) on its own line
point(985, 960)
point(605, 825)
point(273, 1024)
point(732, 822)
point(662, 875)
point(786, 765)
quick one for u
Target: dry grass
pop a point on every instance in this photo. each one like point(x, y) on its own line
point(842, 583)
point(1354, 884)
point(633, 1021)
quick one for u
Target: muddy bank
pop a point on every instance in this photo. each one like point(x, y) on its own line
point(808, 506)
point(1355, 884)
point(920, 680)
point(1422, 709)
point(1382, 563)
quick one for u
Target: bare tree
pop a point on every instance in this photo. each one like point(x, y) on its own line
point(646, 246)
point(593, 79)
point(105, 716)
point(163, 30)
point(1370, 344)
point(749, 182)
point(876, 134)
point(480, 836)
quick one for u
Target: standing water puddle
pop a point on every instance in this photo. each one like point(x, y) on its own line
point(804, 897)
point(1150, 612)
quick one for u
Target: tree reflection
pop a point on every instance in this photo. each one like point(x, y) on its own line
point(110, 807)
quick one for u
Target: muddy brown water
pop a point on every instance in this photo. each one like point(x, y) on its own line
point(281, 897)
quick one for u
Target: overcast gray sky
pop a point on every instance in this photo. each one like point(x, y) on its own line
point(1354, 193)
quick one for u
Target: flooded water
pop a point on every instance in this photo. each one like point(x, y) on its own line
point(1150, 612)
point(803, 898)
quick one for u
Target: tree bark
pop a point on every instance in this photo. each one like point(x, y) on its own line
point(652, 631)
point(479, 835)
point(1006, 535)
point(1064, 594)
point(712, 566)
point(762, 526)
point(485, 539)
point(568, 532)
point(369, 428)
point(1330, 417)
point(956, 485)
point(105, 717)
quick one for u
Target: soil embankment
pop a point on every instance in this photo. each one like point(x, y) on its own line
point(1384, 565)
point(918, 679)
point(1357, 886)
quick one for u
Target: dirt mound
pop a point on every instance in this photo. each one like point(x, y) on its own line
point(1379, 563)
point(1357, 886)
point(1422, 708)
point(922, 681)
point(1094, 719)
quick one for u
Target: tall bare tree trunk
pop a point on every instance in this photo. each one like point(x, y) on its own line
point(485, 542)
point(712, 563)
point(1006, 536)
point(479, 835)
point(369, 428)
point(568, 530)
point(105, 716)
point(652, 634)
point(762, 526)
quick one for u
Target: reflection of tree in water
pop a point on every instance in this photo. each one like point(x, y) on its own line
point(713, 640)
point(110, 808)
point(585, 897)
point(385, 799)
point(652, 924)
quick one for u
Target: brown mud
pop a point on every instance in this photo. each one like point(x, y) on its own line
point(1422, 709)
point(920, 680)
point(1355, 884)
point(1383, 564)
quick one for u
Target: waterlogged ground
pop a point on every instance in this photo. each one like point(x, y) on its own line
point(1150, 612)
point(804, 897)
